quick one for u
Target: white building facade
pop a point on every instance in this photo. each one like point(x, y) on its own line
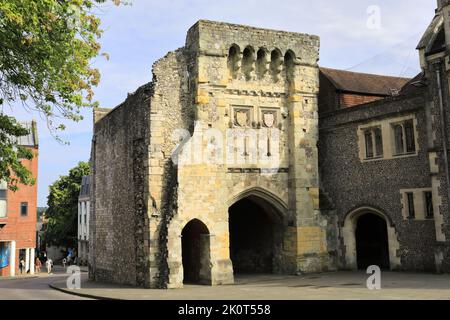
point(83, 221)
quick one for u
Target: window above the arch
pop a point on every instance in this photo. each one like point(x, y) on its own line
point(373, 143)
point(418, 204)
point(389, 138)
point(404, 137)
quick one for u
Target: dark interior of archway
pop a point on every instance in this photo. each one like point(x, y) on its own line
point(372, 242)
point(191, 250)
point(251, 238)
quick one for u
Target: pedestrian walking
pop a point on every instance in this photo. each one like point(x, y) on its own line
point(38, 265)
point(49, 265)
point(21, 266)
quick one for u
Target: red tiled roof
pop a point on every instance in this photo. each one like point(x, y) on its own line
point(364, 83)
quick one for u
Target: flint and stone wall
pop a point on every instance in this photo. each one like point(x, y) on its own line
point(437, 159)
point(352, 183)
point(142, 199)
point(118, 220)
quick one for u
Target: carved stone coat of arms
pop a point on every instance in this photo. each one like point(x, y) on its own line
point(242, 118)
point(269, 119)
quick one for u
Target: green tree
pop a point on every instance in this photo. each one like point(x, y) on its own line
point(62, 213)
point(11, 153)
point(45, 65)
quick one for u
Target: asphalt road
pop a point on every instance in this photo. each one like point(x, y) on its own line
point(35, 288)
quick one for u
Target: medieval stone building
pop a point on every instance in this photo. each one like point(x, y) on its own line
point(242, 155)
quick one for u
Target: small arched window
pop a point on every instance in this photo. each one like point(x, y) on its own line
point(248, 64)
point(234, 61)
point(262, 63)
point(289, 61)
point(276, 64)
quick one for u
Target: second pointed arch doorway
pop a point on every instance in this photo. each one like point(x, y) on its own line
point(195, 243)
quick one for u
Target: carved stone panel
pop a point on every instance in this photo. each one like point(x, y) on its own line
point(269, 118)
point(242, 117)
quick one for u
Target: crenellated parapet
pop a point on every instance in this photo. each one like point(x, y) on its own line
point(260, 64)
point(244, 55)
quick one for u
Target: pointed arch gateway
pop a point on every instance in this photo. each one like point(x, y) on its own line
point(256, 228)
point(195, 246)
point(369, 239)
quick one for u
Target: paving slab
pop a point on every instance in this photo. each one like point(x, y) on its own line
point(326, 286)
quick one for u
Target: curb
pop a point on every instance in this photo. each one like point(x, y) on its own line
point(83, 295)
point(18, 278)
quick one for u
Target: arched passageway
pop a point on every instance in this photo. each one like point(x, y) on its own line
point(196, 253)
point(255, 236)
point(372, 246)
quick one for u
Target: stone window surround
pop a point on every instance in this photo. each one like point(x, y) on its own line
point(404, 138)
point(419, 203)
point(411, 205)
point(388, 138)
point(375, 154)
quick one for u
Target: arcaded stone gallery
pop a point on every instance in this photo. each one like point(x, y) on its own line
point(244, 156)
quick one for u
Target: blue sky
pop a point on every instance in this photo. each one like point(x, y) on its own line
point(137, 35)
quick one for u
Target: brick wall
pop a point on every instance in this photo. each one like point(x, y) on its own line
point(347, 100)
point(18, 228)
point(331, 99)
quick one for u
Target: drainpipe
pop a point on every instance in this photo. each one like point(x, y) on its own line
point(443, 128)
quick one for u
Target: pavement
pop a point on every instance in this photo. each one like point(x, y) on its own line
point(36, 287)
point(19, 277)
point(327, 286)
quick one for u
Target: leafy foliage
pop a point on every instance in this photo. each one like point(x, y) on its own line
point(11, 153)
point(45, 54)
point(62, 213)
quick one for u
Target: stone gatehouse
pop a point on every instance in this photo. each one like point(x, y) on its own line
point(233, 161)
